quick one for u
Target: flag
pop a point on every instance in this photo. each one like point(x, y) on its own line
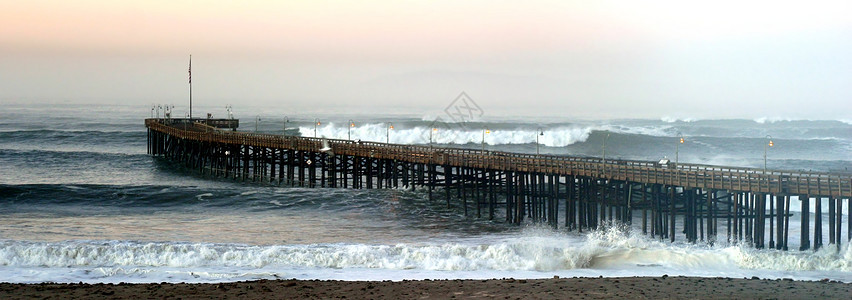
point(190, 69)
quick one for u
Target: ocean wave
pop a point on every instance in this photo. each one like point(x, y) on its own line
point(603, 249)
point(656, 131)
point(770, 120)
point(668, 119)
point(114, 142)
point(552, 137)
point(220, 194)
point(559, 136)
point(127, 151)
point(451, 256)
point(556, 136)
point(142, 196)
point(828, 258)
point(64, 132)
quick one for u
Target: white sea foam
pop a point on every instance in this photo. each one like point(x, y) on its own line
point(796, 205)
point(669, 119)
point(534, 253)
point(553, 137)
point(728, 160)
point(459, 134)
point(770, 120)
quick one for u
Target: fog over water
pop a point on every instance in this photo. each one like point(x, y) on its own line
point(602, 60)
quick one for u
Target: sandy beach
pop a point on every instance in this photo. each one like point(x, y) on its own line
point(664, 287)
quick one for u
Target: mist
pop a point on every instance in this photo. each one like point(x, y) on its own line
point(571, 59)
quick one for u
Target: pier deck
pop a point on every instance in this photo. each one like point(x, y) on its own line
point(698, 198)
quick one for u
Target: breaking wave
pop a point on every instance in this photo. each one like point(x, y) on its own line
point(668, 119)
point(553, 137)
point(560, 136)
point(538, 250)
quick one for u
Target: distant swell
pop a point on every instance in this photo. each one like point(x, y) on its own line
point(67, 141)
point(91, 194)
point(65, 134)
point(220, 195)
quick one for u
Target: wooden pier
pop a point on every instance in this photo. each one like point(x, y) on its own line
point(700, 202)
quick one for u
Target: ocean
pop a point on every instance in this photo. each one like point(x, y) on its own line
point(82, 201)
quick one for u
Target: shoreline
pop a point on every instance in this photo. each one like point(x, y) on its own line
point(666, 287)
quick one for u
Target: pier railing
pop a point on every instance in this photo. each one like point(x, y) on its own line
point(754, 180)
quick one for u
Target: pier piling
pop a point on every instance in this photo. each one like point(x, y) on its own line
point(697, 200)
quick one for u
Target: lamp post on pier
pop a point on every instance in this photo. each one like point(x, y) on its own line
point(256, 121)
point(485, 131)
point(388, 129)
point(540, 133)
point(316, 123)
point(677, 150)
point(765, 148)
point(207, 124)
point(604, 153)
point(349, 132)
point(286, 120)
point(434, 129)
point(771, 204)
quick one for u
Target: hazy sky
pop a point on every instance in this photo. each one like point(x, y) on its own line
point(592, 59)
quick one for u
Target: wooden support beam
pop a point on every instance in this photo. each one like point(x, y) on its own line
point(805, 224)
point(817, 223)
point(532, 185)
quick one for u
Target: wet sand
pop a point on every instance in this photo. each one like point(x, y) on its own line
point(557, 288)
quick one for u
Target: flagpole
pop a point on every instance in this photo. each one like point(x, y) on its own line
point(190, 87)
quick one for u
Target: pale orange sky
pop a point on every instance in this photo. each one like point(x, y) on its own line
point(596, 58)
